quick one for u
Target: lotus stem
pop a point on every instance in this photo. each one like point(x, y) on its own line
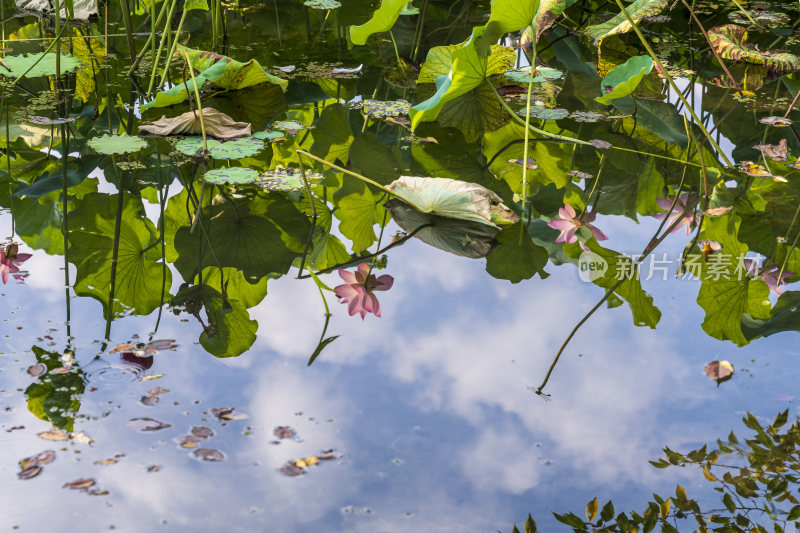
point(161, 46)
point(528, 123)
point(199, 105)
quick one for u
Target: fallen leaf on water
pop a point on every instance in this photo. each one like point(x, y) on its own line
point(153, 468)
point(106, 462)
point(151, 377)
point(98, 492)
point(54, 434)
point(227, 413)
point(47, 456)
point(80, 437)
point(600, 144)
point(217, 124)
point(30, 472)
point(37, 370)
point(776, 121)
point(124, 347)
point(311, 460)
point(14, 428)
point(60, 370)
point(291, 470)
point(327, 455)
point(208, 454)
point(300, 463)
point(532, 165)
point(754, 169)
point(284, 432)
point(777, 152)
point(719, 371)
point(717, 211)
point(580, 175)
point(148, 400)
point(188, 441)
point(147, 424)
point(202, 432)
point(79, 484)
point(161, 345)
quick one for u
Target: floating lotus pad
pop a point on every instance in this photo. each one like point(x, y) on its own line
point(237, 149)
point(542, 74)
point(287, 179)
point(271, 136)
point(117, 144)
point(322, 4)
point(537, 111)
point(231, 176)
point(391, 108)
point(17, 65)
point(586, 116)
point(290, 126)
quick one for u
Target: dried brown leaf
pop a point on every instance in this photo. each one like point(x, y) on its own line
point(777, 152)
point(719, 371)
point(208, 454)
point(147, 424)
point(79, 484)
point(30, 472)
point(54, 435)
point(217, 124)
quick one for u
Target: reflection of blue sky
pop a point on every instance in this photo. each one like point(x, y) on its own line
point(428, 403)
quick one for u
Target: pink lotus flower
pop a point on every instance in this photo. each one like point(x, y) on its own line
point(569, 223)
point(768, 274)
point(10, 261)
point(357, 290)
point(684, 200)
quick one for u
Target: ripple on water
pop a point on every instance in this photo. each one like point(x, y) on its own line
point(112, 374)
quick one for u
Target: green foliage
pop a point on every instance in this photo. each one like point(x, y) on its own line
point(517, 257)
point(55, 398)
point(624, 78)
point(117, 144)
point(638, 10)
point(37, 65)
point(382, 20)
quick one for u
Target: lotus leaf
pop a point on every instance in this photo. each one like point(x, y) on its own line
point(286, 179)
point(382, 20)
point(217, 125)
point(541, 74)
point(546, 113)
point(289, 126)
point(271, 136)
point(231, 175)
point(391, 108)
point(117, 144)
point(237, 149)
point(729, 42)
point(623, 79)
point(16, 66)
point(322, 4)
point(638, 10)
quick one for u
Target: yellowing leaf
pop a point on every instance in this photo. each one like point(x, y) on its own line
point(300, 463)
point(311, 460)
point(591, 510)
point(709, 476)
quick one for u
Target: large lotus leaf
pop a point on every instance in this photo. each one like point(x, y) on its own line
point(466, 238)
point(39, 225)
point(230, 331)
point(380, 108)
point(548, 12)
point(785, 316)
point(228, 73)
point(333, 134)
point(250, 235)
point(230, 176)
point(139, 277)
point(117, 144)
point(382, 20)
point(467, 72)
point(729, 42)
point(17, 65)
point(237, 287)
point(474, 113)
point(237, 149)
point(439, 61)
point(517, 258)
point(726, 293)
point(358, 210)
point(91, 54)
point(623, 79)
point(619, 24)
point(217, 125)
point(453, 199)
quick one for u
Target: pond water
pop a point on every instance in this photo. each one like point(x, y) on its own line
point(165, 366)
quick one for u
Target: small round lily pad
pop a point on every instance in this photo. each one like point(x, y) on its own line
point(286, 179)
point(322, 4)
point(271, 136)
point(17, 65)
point(231, 176)
point(237, 149)
point(390, 108)
point(541, 74)
point(289, 126)
point(117, 144)
point(551, 113)
point(586, 116)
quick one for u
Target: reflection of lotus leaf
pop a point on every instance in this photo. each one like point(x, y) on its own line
point(770, 19)
point(286, 179)
point(17, 65)
point(729, 42)
point(117, 144)
point(618, 24)
point(586, 116)
point(378, 108)
point(538, 111)
point(289, 126)
point(322, 4)
point(463, 216)
point(237, 149)
point(231, 175)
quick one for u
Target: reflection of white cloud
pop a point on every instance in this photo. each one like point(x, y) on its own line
point(502, 459)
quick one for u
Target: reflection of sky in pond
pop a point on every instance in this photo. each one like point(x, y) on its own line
point(428, 404)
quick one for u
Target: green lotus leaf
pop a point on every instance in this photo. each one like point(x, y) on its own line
point(286, 179)
point(46, 66)
point(547, 113)
point(729, 42)
point(222, 71)
point(190, 5)
point(619, 24)
point(231, 176)
point(586, 116)
point(322, 4)
point(517, 257)
point(271, 136)
point(117, 144)
point(439, 62)
point(623, 79)
point(547, 13)
point(379, 108)
point(542, 74)
point(237, 149)
point(382, 20)
point(289, 126)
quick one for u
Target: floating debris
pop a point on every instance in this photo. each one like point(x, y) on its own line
point(147, 424)
point(37, 370)
point(208, 454)
point(719, 371)
point(284, 432)
point(227, 413)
